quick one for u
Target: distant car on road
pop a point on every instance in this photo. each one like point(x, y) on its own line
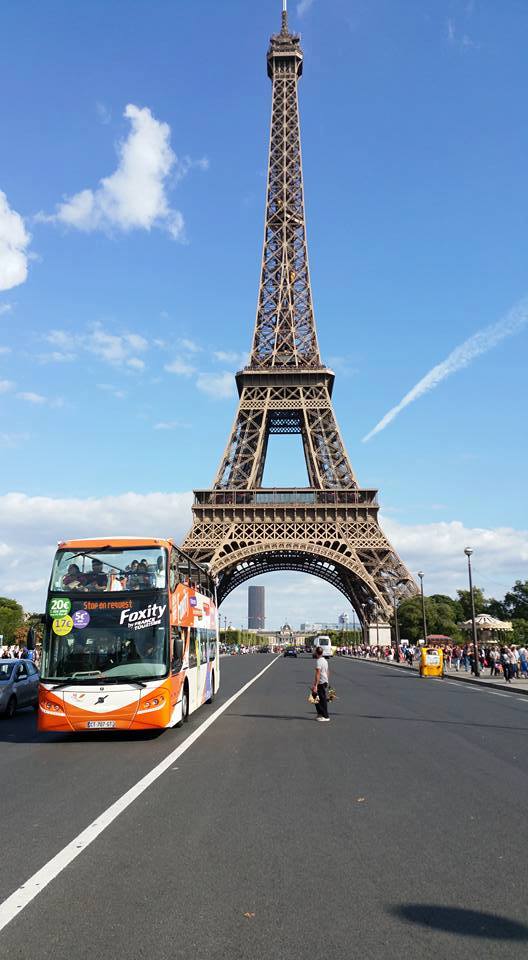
point(19, 682)
point(290, 652)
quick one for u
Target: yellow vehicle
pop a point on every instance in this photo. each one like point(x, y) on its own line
point(432, 662)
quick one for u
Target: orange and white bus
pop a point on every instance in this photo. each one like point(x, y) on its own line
point(131, 637)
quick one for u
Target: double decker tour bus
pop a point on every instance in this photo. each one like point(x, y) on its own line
point(131, 637)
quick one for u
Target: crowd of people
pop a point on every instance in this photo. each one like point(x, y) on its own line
point(18, 651)
point(495, 660)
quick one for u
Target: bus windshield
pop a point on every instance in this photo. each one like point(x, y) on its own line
point(109, 653)
point(109, 569)
point(115, 636)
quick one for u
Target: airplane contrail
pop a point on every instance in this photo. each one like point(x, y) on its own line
point(460, 357)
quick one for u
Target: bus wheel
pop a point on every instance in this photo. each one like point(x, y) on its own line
point(184, 706)
point(11, 708)
point(211, 698)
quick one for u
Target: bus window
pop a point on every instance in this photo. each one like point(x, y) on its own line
point(203, 646)
point(177, 651)
point(192, 647)
point(173, 570)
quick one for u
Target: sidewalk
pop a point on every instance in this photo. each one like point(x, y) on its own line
point(495, 683)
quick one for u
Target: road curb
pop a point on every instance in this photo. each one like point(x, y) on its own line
point(487, 685)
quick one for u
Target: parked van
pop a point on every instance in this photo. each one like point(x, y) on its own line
point(325, 644)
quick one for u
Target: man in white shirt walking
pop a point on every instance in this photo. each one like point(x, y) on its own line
point(320, 686)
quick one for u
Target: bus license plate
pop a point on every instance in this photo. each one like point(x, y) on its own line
point(100, 724)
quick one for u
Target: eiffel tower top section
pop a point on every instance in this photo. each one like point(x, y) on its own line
point(285, 336)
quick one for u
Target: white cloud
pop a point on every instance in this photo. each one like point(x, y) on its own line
point(304, 6)
point(460, 357)
point(136, 364)
point(103, 113)
point(221, 386)
point(111, 347)
point(6, 386)
point(14, 241)
point(30, 397)
point(5, 308)
point(32, 526)
point(115, 349)
point(458, 39)
point(56, 356)
point(171, 425)
point(500, 554)
point(114, 391)
point(191, 346)
point(11, 440)
point(4, 351)
point(180, 367)
point(238, 360)
point(135, 195)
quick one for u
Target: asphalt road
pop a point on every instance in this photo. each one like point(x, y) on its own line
point(396, 830)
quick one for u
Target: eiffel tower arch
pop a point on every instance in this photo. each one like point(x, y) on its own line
point(330, 528)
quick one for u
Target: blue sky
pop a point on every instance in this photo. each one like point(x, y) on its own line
point(117, 351)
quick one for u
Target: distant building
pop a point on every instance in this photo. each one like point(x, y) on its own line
point(318, 627)
point(256, 608)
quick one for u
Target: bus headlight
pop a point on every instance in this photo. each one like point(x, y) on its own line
point(50, 707)
point(154, 704)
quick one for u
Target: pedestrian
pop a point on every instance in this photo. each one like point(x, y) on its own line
point(456, 657)
point(320, 686)
point(523, 659)
point(505, 663)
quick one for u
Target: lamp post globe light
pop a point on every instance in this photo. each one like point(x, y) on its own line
point(424, 621)
point(468, 551)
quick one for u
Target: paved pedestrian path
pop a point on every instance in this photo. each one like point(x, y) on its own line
point(516, 686)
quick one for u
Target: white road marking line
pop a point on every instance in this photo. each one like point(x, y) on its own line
point(494, 694)
point(20, 899)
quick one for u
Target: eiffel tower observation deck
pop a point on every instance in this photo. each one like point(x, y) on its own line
point(330, 528)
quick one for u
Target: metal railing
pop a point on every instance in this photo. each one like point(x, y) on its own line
point(278, 497)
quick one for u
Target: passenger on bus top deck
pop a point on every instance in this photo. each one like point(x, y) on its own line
point(96, 579)
point(160, 572)
point(73, 578)
point(144, 577)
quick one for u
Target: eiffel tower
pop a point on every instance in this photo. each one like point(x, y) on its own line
point(329, 529)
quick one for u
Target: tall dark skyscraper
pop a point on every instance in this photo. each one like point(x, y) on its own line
point(256, 608)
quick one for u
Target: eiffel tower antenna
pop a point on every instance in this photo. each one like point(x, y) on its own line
point(329, 528)
point(284, 16)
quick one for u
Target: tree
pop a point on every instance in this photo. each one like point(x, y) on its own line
point(520, 632)
point(464, 602)
point(516, 601)
point(11, 617)
point(442, 615)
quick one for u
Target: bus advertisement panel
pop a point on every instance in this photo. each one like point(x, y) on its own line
point(131, 638)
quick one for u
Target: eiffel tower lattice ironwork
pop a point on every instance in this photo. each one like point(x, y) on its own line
point(330, 528)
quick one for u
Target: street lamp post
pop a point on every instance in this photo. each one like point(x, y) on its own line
point(468, 551)
point(396, 624)
point(424, 621)
point(396, 630)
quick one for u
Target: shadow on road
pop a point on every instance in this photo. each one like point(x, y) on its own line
point(444, 723)
point(23, 729)
point(274, 716)
point(458, 920)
